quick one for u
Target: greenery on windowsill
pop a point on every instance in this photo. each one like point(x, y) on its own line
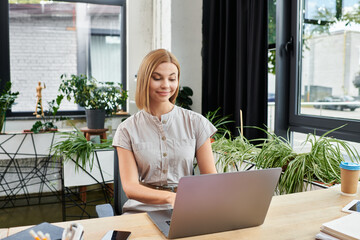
point(7, 99)
point(49, 118)
point(92, 94)
point(321, 163)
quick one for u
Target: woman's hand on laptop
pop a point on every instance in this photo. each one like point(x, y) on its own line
point(171, 198)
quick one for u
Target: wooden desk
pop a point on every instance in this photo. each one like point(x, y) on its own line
point(293, 216)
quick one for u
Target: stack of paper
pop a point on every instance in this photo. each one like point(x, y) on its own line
point(347, 228)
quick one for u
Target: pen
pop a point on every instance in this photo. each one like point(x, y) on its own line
point(42, 236)
point(47, 235)
point(33, 234)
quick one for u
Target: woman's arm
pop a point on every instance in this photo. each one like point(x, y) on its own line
point(205, 158)
point(131, 185)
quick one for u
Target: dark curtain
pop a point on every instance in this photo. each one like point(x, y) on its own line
point(4, 44)
point(235, 62)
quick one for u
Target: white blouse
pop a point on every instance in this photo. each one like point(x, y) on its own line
point(164, 150)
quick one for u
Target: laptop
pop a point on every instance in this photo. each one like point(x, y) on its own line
point(218, 202)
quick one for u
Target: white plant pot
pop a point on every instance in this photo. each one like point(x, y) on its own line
point(77, 177)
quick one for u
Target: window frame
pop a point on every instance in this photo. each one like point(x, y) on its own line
point(5, 50)
point(288, 82)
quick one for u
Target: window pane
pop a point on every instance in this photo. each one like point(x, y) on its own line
point(271, 64)
point(105, 58)
point(298, 140)
point(272, 21)
point(324, 10)
point(271, 89)
point(48, 39)
point(330, 59)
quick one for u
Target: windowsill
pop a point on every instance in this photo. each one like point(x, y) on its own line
point(68, 116)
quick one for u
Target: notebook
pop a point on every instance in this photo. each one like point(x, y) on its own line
point(343, 228)
point(218, 202)
point(54, 231)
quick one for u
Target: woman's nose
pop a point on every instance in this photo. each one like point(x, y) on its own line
point(165, 83)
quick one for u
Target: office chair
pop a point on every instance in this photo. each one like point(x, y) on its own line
point(106, 210)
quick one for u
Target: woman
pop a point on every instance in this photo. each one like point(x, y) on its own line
point(157, 145)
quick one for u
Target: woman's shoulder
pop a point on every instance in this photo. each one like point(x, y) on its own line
point(132, 120)
point(190, 114)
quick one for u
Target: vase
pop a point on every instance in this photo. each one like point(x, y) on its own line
point(95, 118)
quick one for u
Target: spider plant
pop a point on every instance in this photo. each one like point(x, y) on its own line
point(321, 163)
point(219, 122)
point(74, 146)
point(275, 151)
point(233, 154)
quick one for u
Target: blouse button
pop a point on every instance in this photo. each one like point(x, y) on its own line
point(163, 138)
point(164, 154)
point(164, 171)
point(164, 121)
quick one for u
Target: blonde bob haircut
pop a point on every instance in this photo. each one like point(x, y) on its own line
point(150, 62)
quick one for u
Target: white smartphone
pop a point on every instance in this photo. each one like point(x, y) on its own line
point(116, 235)
point(353, 206)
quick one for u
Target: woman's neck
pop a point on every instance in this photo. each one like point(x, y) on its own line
point(161, 109)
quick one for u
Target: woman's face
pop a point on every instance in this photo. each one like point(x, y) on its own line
point(163, 83)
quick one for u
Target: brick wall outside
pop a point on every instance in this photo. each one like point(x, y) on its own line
point(42, 47)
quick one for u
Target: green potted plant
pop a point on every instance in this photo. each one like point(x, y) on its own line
point(98, 98)
point(319, 164)
point(7, 99)
point(183, 99)
point(73, 145)
point(84, 162)
point(233, 154)
point(49, 118)
point(219, 122)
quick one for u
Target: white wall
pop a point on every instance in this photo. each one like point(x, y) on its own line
point(186, 44)
point(139, 38)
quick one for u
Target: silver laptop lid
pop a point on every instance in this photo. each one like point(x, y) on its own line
point(221, 202)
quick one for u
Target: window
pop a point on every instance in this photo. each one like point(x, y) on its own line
point(329, 46)
point(51, 38)
point(319, 50)
point(271, 63)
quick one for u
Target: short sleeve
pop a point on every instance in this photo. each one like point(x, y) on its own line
point(122, 137)
point(204, 130)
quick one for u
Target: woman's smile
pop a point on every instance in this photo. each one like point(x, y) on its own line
point(164, 93)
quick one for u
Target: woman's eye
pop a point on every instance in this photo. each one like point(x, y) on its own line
point(172, 79)
point(155, 78)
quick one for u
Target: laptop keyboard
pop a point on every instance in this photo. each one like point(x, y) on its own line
point(168, 222)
